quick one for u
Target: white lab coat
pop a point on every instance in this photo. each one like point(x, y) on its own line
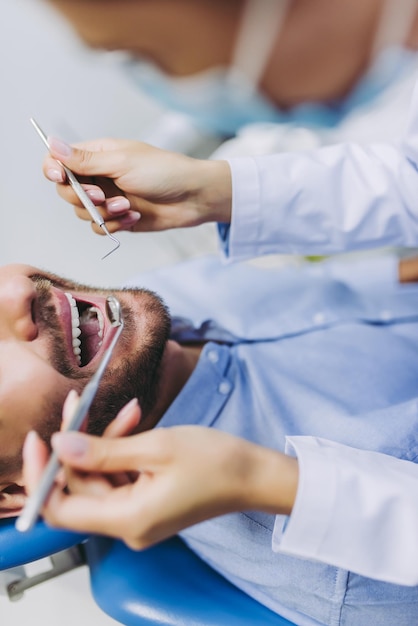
point(340, 197)
point(354, 509)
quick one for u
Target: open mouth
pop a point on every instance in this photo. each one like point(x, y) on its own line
point(87, 327)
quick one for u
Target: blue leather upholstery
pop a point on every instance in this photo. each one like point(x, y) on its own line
point(19, 548)
point(164, 585)
point(168, 585)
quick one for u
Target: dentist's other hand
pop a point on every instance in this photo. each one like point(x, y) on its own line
point(35, 451)
point(179, 476)
point(141, 188)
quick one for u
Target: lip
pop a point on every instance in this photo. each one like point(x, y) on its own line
point(64, 316)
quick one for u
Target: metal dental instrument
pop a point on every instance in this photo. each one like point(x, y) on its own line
point(34, 503)
point(78, 189)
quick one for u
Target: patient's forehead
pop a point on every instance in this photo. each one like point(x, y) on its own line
point(21, 269)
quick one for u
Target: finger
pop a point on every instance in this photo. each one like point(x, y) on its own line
point(124, 423)
point(126, 420)
point(68, 408)
point(83, 214)
point(94, 192)
point(94, 485)
point(117, 205)
point(88, 453)
point(87, 513)
point(127, 222)
point(53, 170)
point(35, 456)
point(88, 162)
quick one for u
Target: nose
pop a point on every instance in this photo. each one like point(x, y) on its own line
point(17, 296)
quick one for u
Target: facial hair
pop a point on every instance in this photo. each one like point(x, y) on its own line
point(137, 375)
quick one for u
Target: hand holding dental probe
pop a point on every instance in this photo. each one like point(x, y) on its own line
point(141, 188)
point(81, 194)
point(167, 479)
point(34, 504)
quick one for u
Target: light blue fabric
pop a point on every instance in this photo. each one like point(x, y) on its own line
point(327, 350)
point(221, 102)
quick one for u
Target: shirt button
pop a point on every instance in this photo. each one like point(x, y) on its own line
point(318, 318)
point(213, 356)
point(385, 315)
point(224, 388)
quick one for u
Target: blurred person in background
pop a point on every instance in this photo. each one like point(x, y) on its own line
point(222, 66)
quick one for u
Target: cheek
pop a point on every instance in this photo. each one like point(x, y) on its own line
point(28, 385)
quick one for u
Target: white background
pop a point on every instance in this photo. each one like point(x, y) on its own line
point(76, 94)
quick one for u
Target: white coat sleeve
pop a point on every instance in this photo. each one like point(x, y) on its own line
point(354, 509)
point(327, 200)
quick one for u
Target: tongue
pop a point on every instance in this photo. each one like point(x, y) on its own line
point(89, 339)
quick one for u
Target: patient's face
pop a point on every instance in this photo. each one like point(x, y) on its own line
point(41, 357)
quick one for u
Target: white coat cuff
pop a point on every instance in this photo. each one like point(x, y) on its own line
point(239, 240)
point(303, 532)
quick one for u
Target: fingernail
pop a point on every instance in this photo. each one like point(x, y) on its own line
point(68, 408)
point(96, 194)
point(123, 413)
point(29, 439)
point(71, 399)
point(69, 444)
point(129, 220)
point(59, 147)
point(118, 205)
point(56, 176)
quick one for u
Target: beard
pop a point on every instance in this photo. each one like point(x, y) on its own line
point(136, 372)
point(138, 375)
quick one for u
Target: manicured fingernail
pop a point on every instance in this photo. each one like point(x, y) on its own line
point(96, 194)
point(59, 147)
point(118, 205)
point(129, 220)
point(69, 444)
point(30, 438)
point(123, 413)
point(56, 176)
point(68, 408)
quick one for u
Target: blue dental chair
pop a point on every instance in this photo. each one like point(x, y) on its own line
point(163, 585)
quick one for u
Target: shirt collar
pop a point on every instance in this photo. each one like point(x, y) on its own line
point(206, 391)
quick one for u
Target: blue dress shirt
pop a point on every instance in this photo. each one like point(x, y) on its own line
point(329, 351)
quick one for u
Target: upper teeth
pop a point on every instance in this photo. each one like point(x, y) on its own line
point(75, 324)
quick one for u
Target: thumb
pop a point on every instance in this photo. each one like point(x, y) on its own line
point(85, 162)
point(35, 456)
point(89, 453)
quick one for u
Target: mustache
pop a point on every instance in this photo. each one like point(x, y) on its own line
point(48, 321)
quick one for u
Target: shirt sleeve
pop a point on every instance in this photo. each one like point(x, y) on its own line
point(354, 509)
point(327, 200)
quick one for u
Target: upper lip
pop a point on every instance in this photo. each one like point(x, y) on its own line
point(64, 315)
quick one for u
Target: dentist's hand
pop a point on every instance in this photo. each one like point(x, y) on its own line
point(179, 476)
point(37, 454)
point(141, 188)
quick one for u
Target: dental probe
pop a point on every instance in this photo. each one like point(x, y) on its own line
point(78, 189)
point(34, 503)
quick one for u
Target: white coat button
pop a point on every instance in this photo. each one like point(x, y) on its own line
point(224, 388)
point(213, 356)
